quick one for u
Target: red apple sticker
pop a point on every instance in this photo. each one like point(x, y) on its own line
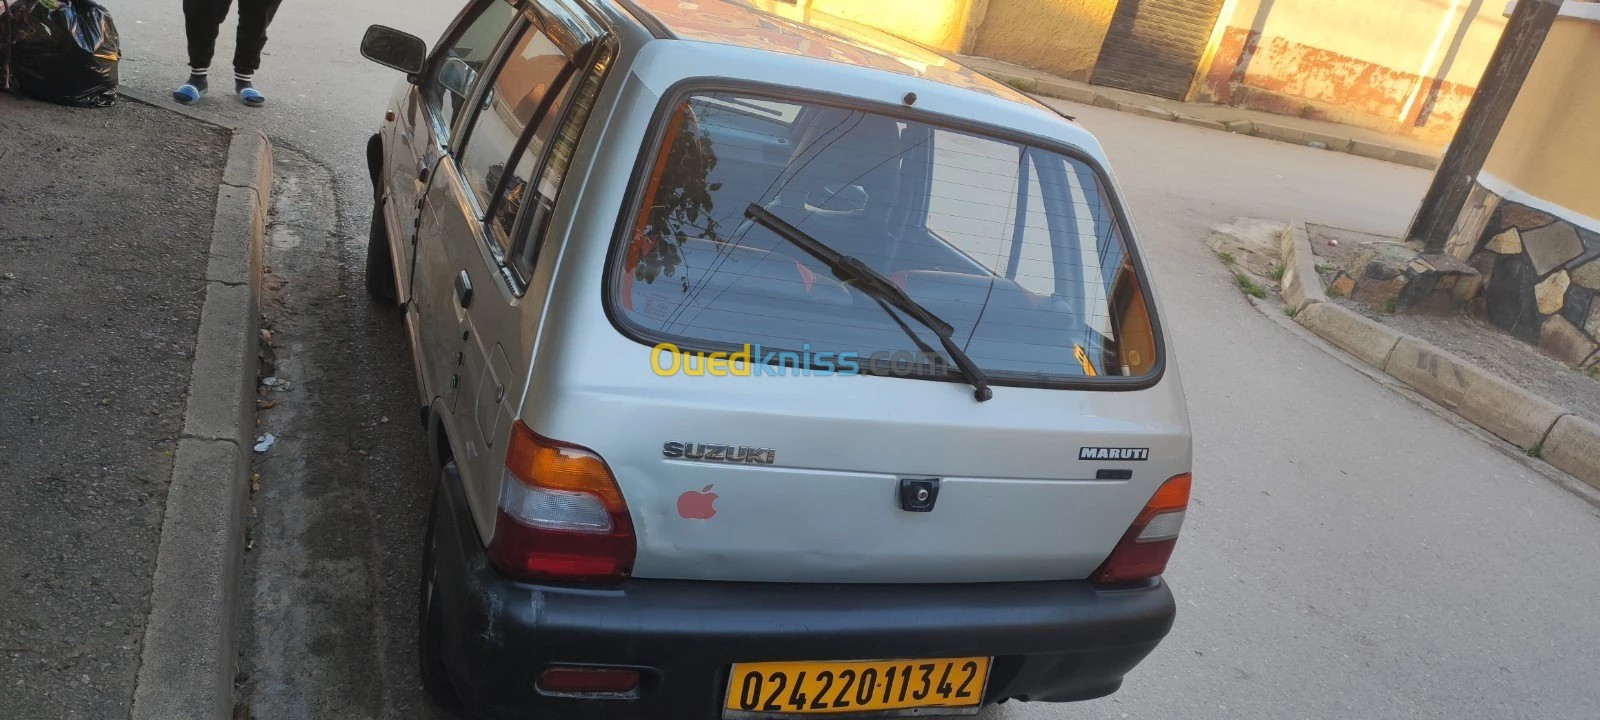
point(697, 505)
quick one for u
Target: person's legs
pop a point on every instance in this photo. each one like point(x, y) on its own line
point(201, 19)
point(254, 17)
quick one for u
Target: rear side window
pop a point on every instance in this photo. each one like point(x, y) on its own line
point(536, 201)
point(526, 85)
point(1015, 246)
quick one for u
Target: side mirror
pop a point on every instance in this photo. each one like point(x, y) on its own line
point(391, 48)
point(457, 76)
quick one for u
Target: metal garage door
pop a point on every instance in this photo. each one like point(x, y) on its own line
point(1155, 46)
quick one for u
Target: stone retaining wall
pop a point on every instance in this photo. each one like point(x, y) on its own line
point(1541, 278)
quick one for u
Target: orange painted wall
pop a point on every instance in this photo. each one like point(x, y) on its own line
point(1381, 63)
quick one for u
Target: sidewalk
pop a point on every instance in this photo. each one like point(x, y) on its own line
point(1544, 409)
point(110, 225)
point(105, 217)
point(1283, 128)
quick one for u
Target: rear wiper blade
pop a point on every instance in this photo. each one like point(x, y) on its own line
point(876, 284)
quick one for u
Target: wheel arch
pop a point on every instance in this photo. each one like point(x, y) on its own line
point(375, 161)
point(441, 446)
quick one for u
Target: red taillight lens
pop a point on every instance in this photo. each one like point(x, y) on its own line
point(1143, 551)
point(589, 681)
point(561, 517)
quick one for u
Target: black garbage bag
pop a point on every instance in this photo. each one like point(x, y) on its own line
point(60, 51)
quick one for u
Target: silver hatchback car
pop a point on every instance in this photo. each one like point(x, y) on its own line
point(773, 368)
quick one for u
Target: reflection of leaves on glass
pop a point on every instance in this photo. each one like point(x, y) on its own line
point(681, 206)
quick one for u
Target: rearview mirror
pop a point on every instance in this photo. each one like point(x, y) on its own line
point(391, 48)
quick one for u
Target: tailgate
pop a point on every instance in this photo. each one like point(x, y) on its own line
point(1015, 501)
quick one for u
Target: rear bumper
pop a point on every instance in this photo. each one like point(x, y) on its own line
point(1051, 641)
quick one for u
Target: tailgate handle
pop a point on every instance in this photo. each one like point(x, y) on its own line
point(918, 495)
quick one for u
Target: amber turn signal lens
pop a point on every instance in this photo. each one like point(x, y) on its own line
point(546, 464)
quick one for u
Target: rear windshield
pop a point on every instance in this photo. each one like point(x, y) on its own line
point(1015, 247)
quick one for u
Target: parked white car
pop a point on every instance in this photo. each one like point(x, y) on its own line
point(772, 370)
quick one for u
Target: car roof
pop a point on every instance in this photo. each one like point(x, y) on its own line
point(811, 35)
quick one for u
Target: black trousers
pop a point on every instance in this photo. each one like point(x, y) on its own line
point(202, 19)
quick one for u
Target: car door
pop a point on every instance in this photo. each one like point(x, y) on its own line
point(429, 113)
point(452, 81)
point(484, 202)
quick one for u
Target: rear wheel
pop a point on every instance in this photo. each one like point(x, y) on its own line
point(430, 619)
point(380, 261)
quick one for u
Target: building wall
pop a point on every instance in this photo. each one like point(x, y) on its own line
point(1387, 64)
point(1550, 144)
point(1400, 66)
point(938, 24)
point(1057, 36)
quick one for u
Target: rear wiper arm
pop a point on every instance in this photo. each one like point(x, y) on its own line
point(876, 284)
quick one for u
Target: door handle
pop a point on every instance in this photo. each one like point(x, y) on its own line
point(464, 290)
point(424, 166)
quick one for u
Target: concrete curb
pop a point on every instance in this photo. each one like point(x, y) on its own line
point(1573, 445)
point(1301, 285)
point(1371, 342)
point(1264, 130)
point(187, 664)
point(1488, 401)
point(1540, 427)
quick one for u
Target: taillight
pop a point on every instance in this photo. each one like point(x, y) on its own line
point(561, 517)
point(1143, 551)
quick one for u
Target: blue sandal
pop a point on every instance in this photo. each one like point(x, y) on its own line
point(188, 94)
point(252, 97)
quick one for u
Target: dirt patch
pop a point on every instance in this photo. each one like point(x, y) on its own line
point(1250, 249)
point(105, 227)
point(1337, 249)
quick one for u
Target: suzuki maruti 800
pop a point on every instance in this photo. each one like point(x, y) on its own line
point(773, 368)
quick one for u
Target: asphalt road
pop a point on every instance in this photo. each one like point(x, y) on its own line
point(1348, 553)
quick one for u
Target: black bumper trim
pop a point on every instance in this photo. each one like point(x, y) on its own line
point(1051, 641)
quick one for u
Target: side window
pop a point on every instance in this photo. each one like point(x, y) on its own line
point(525, 86)
point(456, 69)
point(534, 203)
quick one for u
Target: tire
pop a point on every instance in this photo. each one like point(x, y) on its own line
point(430, 620)
point(380, 261)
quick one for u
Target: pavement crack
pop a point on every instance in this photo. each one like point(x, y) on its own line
point(191, 436)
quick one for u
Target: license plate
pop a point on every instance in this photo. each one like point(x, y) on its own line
point(877, 687)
